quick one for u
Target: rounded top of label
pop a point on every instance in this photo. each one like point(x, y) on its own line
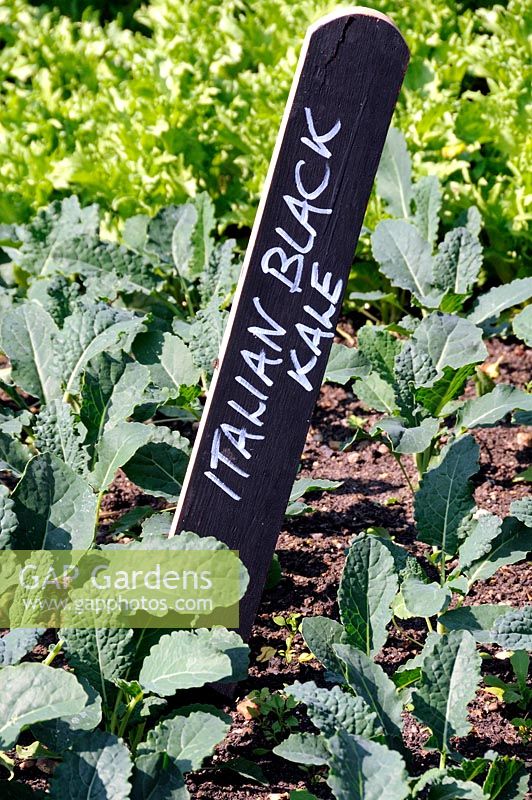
point(350, 11)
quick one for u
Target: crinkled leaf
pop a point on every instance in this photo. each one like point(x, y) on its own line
point(522, 510)
point(368, 585)
point(522, 325)
point(202, 242)
point(427, 201)
point(206, 333)
point(449, 679)
point(222, 272)
point(100, 655)
point(394, 175)
point(156, 777)
point(330, 709)
point(61, 221)
point(96, 768)
point(16, 643)
point(27, 336)
point(320, 634)
point(378, 348)
point(57, 432)
point(490, 408)
point(514, 630)
point(363, 770)
point(478, 620)
point(458, 261)
point(182, 660)
point(491, 304)
point(33, 692)
point(444, 497)
point(510, 546)
point(89, 331)
point(369, 681)
point(55, 508)
point(479, 535)
point(8, 519)
point(303, 748)
point(405, 257)
point(57, 294)
point(187, 740)
point(443, 340)
point(89, 257)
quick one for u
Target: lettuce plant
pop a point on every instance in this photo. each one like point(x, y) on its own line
point(193, 101)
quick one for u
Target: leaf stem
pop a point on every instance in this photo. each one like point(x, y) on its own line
point(443, 759)
point(53, 653)
point(113, 722)
point(129, 710)
point(403, 470)
point(429, 625)
point(402, 632)
point(345, 335)
point(137, 737)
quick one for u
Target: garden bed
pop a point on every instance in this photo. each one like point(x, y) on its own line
point(311, 551)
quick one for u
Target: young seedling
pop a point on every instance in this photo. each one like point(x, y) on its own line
point(517, 693)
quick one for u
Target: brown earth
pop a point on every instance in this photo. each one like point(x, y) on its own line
point(311, 550)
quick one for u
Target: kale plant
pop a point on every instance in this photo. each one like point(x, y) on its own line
point(109, 723)
point(169, 267)
point(359, 718)
point(424, 274)
point(418, 382)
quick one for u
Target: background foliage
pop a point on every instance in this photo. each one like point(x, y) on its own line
point(189, 98)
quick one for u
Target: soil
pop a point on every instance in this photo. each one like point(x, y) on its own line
point(311, 551)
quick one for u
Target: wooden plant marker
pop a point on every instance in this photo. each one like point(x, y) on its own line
point(289, 296)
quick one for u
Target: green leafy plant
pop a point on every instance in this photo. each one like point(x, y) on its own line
point(516, 693)
point(359, 722)
point(111, 710)
point(443, 277)
point(142, 120)
point(169, 266)
point(292, 623)
point(275, 711)
point(359, 719)
point(302, 486)
point(381, 581)
point(66, 447)
point(417, 381)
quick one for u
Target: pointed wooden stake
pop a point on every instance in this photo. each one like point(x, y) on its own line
point(289, 296)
